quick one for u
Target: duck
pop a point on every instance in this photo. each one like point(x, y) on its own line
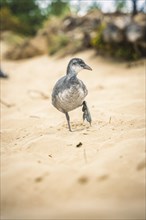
point(69, 92)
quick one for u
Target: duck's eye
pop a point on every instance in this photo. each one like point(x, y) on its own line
point(82, 64)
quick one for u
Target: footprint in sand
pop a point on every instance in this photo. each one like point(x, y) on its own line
point(38, 179)
point(103, 177)
point(141, 165)
point(83, 179)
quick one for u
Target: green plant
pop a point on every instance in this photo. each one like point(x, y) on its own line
point(8, 20)
point(98, 41)
point(22, 16)
point(58, 8)
point(120, 5)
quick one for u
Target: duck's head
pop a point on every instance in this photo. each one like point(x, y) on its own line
point(76, 65)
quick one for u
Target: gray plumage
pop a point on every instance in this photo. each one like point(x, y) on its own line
point(69, 92)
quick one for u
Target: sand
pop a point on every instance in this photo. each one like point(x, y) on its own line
point(44, 173)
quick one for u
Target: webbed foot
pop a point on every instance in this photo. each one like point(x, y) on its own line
point(86, 113)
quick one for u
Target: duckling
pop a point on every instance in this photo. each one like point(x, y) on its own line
point(69, 92)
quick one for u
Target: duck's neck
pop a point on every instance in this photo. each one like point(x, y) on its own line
point(71, 72)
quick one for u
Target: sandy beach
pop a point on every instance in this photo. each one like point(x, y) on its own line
point(94, 172)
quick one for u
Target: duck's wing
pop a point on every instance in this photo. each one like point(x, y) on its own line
point(59, 86)
point(84, 88)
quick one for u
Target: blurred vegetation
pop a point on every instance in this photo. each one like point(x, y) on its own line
point(98, 41)
point(58, 8)
point(120, 5)
point(54, 28)
point(21, 16)
point(26, 17)
point(121, 50)
point(95, 5)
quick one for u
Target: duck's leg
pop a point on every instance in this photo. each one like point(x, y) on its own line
point(68, 120)
point(86, 113)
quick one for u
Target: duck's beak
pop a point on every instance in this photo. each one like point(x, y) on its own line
point(87, 67)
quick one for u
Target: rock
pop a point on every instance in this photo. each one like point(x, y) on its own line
point(69, 23)
point(25, 50)
point(89, 21)
point(122, 21)
point(134, 32)
point(113, 34)
point(140, 19)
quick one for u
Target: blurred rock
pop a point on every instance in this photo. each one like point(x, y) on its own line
point(122, 21)
point(69, 23)
point(89, 21)
point(113, 34)
point(25, 50)
point(140, 19)
point(134, 32)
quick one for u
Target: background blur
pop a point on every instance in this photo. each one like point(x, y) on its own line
point(113, 28)
point(94, 172)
